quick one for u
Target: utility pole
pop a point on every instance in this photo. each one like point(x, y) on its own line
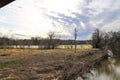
point(75, 34)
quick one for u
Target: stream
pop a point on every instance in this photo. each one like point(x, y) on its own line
point(106, 70)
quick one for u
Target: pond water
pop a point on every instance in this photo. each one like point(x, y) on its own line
point(107, 70)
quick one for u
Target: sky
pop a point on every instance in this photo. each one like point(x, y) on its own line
point(38, 17)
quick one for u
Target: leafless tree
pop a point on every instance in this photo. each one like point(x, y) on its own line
point(96, 38)
point(52, 40)
point(110, 39)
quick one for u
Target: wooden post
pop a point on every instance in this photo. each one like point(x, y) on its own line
point(75, 40)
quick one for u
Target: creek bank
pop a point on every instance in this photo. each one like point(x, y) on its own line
point(76, 66)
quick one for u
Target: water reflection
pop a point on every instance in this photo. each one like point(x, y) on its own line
point(109, 70)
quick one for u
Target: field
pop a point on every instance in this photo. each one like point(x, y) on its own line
point(20, 64)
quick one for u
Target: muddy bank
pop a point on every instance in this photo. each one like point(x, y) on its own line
point(77, 66)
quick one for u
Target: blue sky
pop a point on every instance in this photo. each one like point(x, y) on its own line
point(38, 17)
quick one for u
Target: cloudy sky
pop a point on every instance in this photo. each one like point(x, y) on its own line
point(38, 17)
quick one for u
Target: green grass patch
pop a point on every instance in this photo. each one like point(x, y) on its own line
point(12, 64)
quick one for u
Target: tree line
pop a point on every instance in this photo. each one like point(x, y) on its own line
point(51, 42)
point(107, 40)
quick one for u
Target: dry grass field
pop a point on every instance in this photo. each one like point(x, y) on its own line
point(20, 64)
point(39, 51)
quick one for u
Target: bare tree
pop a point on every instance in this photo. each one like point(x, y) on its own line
point(4, 43)
point(96, 39)
point(52, 40)
point(110, 39)
point(51, 37)
point(114, 42)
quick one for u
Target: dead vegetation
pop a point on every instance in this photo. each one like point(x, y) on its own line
point(78, 66)
point(46, 64)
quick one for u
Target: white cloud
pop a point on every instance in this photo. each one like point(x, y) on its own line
point(114, 26)
point(99, 6)
point(11, 34)
point(96, 23)
point(59, 6)
point(83, 25)
point(30, 17)
point(103, 14)
point(4, 32)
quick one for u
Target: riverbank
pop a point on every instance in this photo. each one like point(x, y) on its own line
point(78, 66)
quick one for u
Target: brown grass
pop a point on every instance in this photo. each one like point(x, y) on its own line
point(39, 51)
point(39, 63)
